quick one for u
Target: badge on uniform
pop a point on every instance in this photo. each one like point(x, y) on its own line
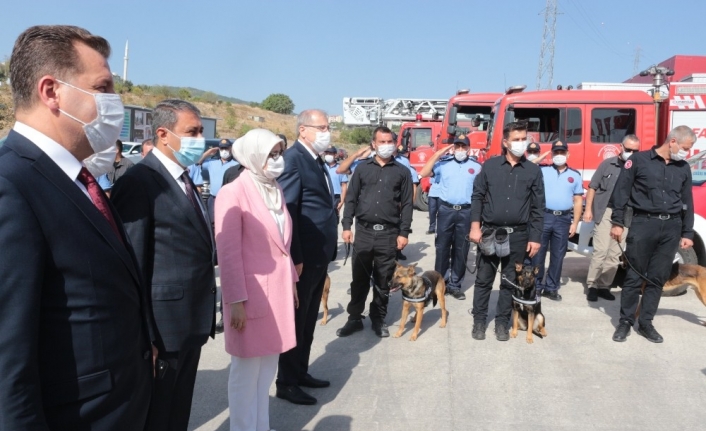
point(471, 171)
point(628, 164)
point(571, 180)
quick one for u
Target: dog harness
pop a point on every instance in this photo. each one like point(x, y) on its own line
point(535, 301)
point(427, 292)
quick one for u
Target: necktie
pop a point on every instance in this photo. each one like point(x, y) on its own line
point(189, 186)
point(98, 197)
point(322, 166)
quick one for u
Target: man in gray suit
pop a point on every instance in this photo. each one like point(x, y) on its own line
point(168, 227)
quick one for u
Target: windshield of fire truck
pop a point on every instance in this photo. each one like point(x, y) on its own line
point(466, 115)
point(698, 168)
point(545, 125)
point(419, 137)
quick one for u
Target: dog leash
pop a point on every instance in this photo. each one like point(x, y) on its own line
point(625, 256)
point(348, 252)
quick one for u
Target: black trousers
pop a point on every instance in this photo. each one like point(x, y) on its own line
point(650, 247)
point(486, 276)
point(451, 246)
point(170, 406)
point(336, 201)
point(374, 254)
point(433, 203)
point(294, 363)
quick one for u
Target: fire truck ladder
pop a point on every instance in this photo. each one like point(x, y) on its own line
point(372, 111)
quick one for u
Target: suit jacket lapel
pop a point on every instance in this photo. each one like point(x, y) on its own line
point(263, 213)
point(315, 167)
point(169, 184)
point(47, 168)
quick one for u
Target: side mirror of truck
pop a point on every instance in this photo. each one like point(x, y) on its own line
point(452, 115)
point(451, 130)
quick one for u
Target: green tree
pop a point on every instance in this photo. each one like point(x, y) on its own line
point(209, 97)
point(279, 103)
point(357, 135)
point(184, 94)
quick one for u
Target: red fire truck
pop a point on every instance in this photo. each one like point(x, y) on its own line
point(593, 121)
point(418, 138)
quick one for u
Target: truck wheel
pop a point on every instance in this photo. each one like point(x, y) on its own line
point(422, 203)
point(685, 257)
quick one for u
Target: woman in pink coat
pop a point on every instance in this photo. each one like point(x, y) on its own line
point(253, 235)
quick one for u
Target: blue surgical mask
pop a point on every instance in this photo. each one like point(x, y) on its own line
point(190, 151)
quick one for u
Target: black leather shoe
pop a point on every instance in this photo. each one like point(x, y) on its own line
point(605, 294)
point(380, 329)
point(553, 295)
point(501, 332)
point(219, 326)
point(401, 256)
point(295, 395)
point(457, 294)
point(650, 333)
point(350, 327)
point(431, 232)
point(311, 382)
point(592, 294)
point(621, 332)
point(348, 291)
point(479, 330)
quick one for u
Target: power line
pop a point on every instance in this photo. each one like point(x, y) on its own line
point(546, 53)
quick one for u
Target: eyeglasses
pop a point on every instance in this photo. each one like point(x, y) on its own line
point(275, 155)
point(324, 128)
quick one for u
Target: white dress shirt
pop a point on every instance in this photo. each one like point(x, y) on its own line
point(176, 171)
point(316, 157)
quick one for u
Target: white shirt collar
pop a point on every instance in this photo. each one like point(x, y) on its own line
point(60, 155)
point(174, 169)
point(313, 154)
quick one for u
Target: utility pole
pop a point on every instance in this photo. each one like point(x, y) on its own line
point(636, 63)
point(546, 54)
point(125, 59)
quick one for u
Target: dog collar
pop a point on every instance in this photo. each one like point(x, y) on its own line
point(535, 301)
point(427, 292)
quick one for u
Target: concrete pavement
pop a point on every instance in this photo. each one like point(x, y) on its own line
point(577, 378)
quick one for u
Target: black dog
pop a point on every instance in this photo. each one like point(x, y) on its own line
point(526, 305)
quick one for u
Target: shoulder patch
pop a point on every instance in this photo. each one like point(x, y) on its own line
point(471, 171)
point(628, 164)
point(571, 180)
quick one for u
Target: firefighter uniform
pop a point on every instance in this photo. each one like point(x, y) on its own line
point(659, 194)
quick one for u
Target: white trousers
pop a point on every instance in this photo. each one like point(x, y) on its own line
point(249, 392)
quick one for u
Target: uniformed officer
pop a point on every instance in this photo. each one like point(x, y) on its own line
point(380, 198)
point(215, 168)
point(433, 201)
point(606, 252)
point(339, 181)
point(508, 194)
point(533, 155)
point(564, 201)
point(656, 185)
point(455, 181)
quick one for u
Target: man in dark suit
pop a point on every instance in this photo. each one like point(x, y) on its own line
point(169, 229)
point(74, 351)
point(309, 195)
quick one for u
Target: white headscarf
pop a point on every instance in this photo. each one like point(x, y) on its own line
point(252, 151)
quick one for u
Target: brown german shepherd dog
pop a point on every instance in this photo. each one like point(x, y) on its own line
point(681, 277)
point(419, 290)
point(526, 307)
point(324, 299)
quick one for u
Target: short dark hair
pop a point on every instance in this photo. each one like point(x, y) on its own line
point(48, 50)
point(119, 145)
point(165, 113)
point(515, 126)
point(381, 129)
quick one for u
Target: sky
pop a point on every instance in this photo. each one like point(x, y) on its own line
point(318, 52)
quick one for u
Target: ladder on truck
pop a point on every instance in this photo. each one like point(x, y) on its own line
point(373, 111)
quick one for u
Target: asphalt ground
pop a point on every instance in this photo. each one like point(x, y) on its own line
point(576, 378)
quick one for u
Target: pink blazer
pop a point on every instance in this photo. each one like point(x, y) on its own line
point(256, 267)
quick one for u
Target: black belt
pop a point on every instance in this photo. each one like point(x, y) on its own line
point(453, 206)
point(336, 196)
point(509, 229)
point(658, 216)
point(558, 213)
point(378, 226)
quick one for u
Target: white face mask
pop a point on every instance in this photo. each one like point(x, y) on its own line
point(225, 154)
point(385, 151)
point(679, 155)
point(460, 155)
point(559, 160)
point(323, 141)
point(100, 163)
point(328, 158)
point(518, 148)
point(532, 156)
point(274, 167)
point(625, 155)
point(105, 129)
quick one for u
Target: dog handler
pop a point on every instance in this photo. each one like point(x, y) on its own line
point(380, 198)
point(656, 185)
point(509, 194)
